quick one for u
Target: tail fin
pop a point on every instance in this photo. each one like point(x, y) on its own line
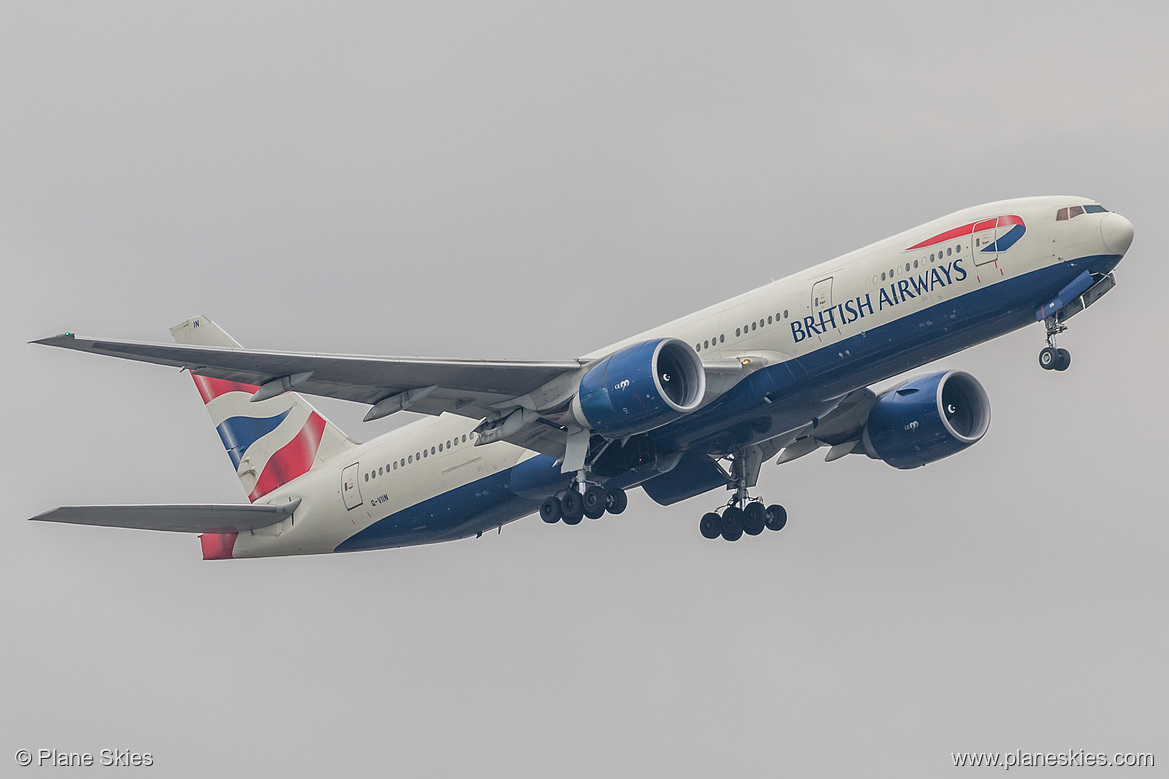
point(270, 442)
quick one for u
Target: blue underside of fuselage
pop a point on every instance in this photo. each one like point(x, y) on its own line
point(798, 391)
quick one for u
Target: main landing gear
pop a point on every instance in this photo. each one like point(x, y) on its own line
point(743, 514)
point(572, 506)
point(736, 520)
point(1051, 358)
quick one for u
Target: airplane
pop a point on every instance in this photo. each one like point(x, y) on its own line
point(695, 405)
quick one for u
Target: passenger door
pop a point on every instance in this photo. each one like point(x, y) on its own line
point(350, 489)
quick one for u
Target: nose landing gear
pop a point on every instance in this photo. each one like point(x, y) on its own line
point(1050, 357)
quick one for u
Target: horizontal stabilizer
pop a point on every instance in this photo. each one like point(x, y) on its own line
point(213, 518)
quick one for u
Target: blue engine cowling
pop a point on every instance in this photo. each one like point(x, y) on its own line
point(927, 419)
point(640, 388)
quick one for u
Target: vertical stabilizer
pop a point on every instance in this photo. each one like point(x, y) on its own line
point(270, 442)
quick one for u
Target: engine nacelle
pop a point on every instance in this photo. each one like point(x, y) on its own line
point(640, 388)
point(927, 419)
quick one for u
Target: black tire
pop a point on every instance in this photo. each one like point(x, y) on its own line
point(550, 510)
point(1064, 361)
point(733, 535)
point(616, 500)
point(776, 517)
point(572, 506)
point(1048, 358)
point(711, 525)
point(754, 519)
point(594, 501)
point(732, 521)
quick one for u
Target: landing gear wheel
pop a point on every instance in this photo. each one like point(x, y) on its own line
point(616, 500)
point(732, 523)
point(1049, 358)
point(550, 510)
point(754, 519)
point(1064, 360)
point(711, 525)
point(573, 507)
point(776, 517)
point(594, 501)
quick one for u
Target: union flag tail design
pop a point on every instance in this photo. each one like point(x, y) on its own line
point(270, 442)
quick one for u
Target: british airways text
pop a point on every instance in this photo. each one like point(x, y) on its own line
point(894, 294)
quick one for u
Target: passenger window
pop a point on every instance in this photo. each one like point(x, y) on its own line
point(722, 339)
point(738, 332)
point(752, 325)
point(380, 472)
point(882, 275)
point(432, 450)
point(395, 465)
point(949, 251)
point(464, 439)
point(411, 458)
point(706, 344)
point(440, 447)
point(915, 263)
point(698, 347)
point(367, 477)
point(769, 319)
point(785, 311)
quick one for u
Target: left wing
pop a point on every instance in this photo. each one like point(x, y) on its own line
point(476, 389)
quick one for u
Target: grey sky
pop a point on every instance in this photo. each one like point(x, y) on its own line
point(537, 180)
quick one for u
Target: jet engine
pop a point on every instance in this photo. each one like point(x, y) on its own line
point(927, 419)
point(640, 388)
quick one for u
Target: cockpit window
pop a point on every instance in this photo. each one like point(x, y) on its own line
point(1073, 211)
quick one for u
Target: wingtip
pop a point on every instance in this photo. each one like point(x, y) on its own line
point(55, 340)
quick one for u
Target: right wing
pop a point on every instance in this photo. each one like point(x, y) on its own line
point(214, 518)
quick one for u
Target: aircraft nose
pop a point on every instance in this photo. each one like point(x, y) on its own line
point(1117, 232)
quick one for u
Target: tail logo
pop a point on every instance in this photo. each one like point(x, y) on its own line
point(259, 437)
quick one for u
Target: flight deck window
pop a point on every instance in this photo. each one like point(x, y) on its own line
point(1075, 211)
point(1095, 210)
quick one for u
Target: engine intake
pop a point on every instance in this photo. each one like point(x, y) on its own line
point(640, 388)
point(927, 419)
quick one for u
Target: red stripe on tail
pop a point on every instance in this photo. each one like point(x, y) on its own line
point(293, 459)
point(210, 388)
